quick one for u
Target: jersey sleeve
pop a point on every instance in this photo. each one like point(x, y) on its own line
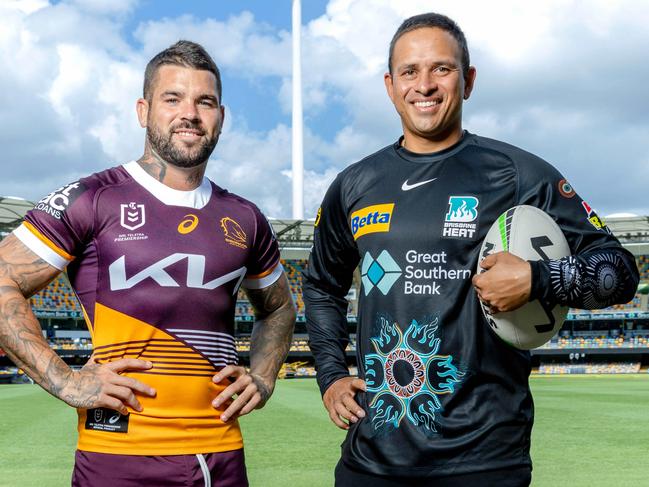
point(264, 267)
point(327, 280)
point(59, 226)
point(600, 272)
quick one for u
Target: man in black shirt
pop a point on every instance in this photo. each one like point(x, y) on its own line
point(440, 400)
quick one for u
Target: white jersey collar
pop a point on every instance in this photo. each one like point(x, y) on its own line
point(196, 198)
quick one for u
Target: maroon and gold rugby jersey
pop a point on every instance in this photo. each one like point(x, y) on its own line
point(157, 272)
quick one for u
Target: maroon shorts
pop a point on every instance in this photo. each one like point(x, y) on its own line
point(223, 469)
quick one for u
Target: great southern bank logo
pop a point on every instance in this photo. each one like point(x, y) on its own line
point(381, 272)
point(371, 219)
point(462, 211)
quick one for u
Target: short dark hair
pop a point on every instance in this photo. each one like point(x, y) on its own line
point(432, 19)
point(183, 53)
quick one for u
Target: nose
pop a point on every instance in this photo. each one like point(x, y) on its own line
point(189, 111)
point(427, 83)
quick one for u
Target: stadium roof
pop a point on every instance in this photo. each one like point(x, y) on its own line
point(12, 211)
point(632, 231)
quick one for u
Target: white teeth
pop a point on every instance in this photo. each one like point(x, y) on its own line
point(186, 134)
point(425, 103)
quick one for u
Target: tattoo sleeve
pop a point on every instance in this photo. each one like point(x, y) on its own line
point(21, 274)
point(591, 280)
point(271, 334)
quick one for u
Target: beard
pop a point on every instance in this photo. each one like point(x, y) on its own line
point(175, 154)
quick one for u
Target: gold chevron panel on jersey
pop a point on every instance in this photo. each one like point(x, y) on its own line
point(180, 418)
point(117, 335)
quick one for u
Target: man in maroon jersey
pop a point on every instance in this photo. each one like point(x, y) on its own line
point(156, 253)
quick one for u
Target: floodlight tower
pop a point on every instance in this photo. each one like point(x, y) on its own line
point(298, 154)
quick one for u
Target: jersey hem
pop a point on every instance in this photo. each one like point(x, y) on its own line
point(447, 469)
point(193, 450)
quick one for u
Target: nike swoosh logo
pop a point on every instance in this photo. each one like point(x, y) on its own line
point(407, 187)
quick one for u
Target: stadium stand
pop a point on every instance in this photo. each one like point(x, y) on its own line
point(613, 340)
point(606, 368)
point(57, 296)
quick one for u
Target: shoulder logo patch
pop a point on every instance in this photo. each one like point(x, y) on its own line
point(565, 189)
point(58, 201)
point(234, 234)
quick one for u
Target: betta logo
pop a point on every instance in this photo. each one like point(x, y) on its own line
point(234, 234)
point(371, 219)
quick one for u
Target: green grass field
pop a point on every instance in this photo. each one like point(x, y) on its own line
point(589, 431)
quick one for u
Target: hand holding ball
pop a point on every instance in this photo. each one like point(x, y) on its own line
point(529, 234)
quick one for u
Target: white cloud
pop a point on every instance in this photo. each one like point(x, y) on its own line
point(559, 78)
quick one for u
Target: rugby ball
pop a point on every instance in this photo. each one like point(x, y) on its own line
point(530, 234)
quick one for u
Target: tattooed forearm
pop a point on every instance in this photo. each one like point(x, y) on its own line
point(21, 274)
point(21, 266)
point(272, 333)
point(22, 339)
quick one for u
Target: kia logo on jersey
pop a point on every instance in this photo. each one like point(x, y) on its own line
point(195, 274)
point(132, 216)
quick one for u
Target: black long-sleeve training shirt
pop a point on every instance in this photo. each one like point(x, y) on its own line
point(444, 394)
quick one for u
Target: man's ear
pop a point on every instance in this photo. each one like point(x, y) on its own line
point(142, 109)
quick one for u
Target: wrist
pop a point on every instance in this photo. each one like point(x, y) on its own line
point(265, 385)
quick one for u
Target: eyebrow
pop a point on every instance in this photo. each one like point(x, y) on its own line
point(171, 93)
point(180, 94)
point(442, 62)
point(209, 97)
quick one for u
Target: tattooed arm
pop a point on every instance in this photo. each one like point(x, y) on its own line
point(269, 346)
point(22, 273)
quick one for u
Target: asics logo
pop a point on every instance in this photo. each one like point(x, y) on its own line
point(407, 187)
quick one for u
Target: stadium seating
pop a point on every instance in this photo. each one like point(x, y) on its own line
point(590, 368)
point(58, 296)
point(643, 267)
point(294, 270)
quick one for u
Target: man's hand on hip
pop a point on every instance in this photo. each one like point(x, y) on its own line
point(251, 391)
point(102, 385)
point(339, 401)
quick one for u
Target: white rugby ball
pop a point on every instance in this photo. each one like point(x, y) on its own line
point(530, 234)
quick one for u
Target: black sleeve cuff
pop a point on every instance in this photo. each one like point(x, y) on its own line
point(541, 286)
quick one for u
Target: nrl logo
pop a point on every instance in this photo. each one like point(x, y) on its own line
point(234, 234)
point(132, 216)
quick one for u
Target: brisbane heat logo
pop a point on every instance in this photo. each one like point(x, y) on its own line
point(460, 218)
point(234, 234)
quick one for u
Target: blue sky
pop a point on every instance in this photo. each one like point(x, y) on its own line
point(560, 78)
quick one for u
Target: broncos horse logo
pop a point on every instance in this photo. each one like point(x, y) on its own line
point(234, 234)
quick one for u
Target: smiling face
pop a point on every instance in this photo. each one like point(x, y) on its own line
point(427, 88)
point(183, 116)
